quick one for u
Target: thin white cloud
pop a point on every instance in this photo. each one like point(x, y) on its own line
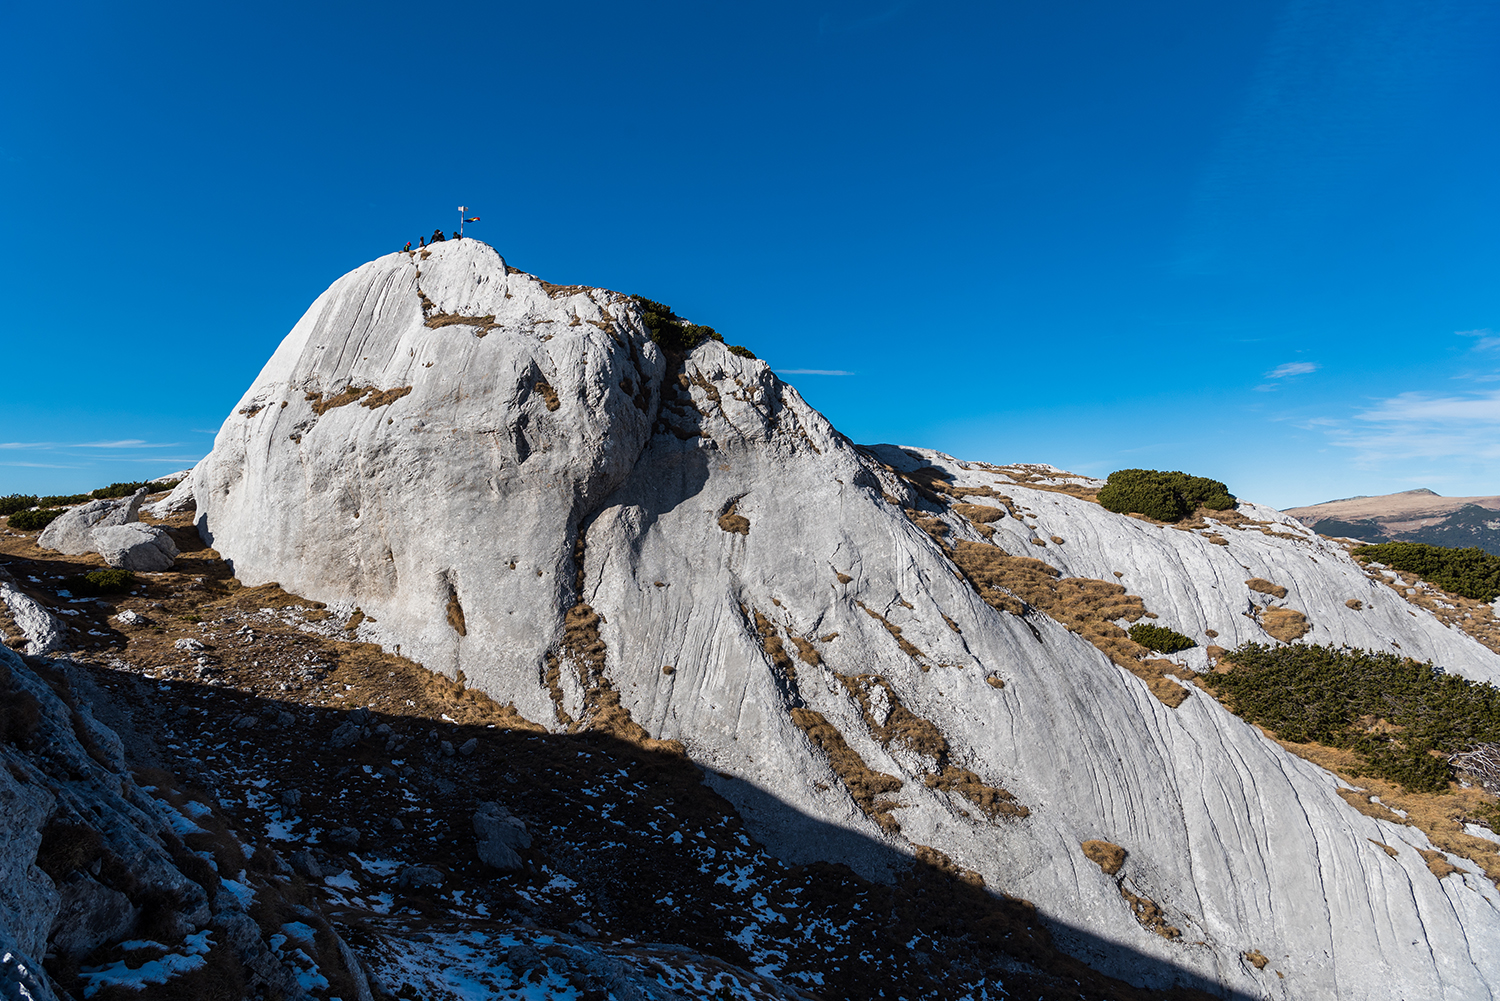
point(127, 443)
point(812, 371)
point(1292, 368)
point(1486, 338)
point(1421, 426)
point(27, 444)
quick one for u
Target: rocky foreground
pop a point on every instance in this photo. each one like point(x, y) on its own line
point(532, 657)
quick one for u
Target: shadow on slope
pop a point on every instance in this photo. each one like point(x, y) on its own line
point(628, 846)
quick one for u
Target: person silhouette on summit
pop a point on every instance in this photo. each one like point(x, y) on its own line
point(456, 236)
point(437, 236)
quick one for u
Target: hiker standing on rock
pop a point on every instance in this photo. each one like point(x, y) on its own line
point(437, 236)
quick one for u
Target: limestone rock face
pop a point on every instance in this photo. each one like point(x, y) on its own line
point(135, 547)
point(370, 427)
point(180, 499)
point(72, 532)
point(508, 478)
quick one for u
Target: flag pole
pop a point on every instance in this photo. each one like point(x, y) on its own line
point(461, 211)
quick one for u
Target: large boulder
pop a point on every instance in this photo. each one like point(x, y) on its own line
point(72, 532)
point(501, 836)
point(135, 547)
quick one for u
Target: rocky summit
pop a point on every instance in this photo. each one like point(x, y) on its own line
point(504, 653)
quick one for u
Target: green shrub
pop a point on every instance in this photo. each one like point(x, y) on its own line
point(671, 331)
point(1160, 638)
point(742, 351)
point(63, 500)
point(16, 502)
point(1471, 572)
point(101, 582)
point(127, 489)
point(1165, 496)
point(1332, 695)
point(32, 521)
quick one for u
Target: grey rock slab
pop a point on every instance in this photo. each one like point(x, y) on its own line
point(501, 836)
point(179, 500)
point(89, 915)
point(72, 532)
point(347, 734)
point(344, 837)
point(445, 496)
point(43, 631)
point(419, 876)
point(138, 547)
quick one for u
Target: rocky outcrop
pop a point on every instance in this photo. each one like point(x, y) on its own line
point(135, 547)
point(501, 835)
point(72, 532)
point(111, 528)
point(37, 626)
point(91, 859)
point(884, 642)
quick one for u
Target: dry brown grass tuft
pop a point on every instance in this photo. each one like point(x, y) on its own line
point(806, 652)
point(382, 397)
point(1285, 624)
point(994, 801)
point(843, 578)
point(1256, 959)
point(1438, 864)
point(1083, 605)
point(456, 615)
point(1149, 914)
point(1354, 603)
point(770, 641)
point(368, 396)
point(732, 522)
point(922, 736)
point(979, 514)
point(482, 324)
point(1264, 586)
point(549, 395)
point(1383, 847)
point(907, 646)
point(865, 784)
point(901, 724)
point(1106, 855)
point(941, 862)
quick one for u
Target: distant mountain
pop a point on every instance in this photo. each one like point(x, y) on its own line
point(1410, 516)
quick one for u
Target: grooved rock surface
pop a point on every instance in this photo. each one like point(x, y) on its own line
point(396, 454)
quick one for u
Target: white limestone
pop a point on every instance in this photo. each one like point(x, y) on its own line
point(467, 491)
point(135, 547)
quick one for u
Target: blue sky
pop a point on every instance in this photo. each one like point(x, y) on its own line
point(1253, 241)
